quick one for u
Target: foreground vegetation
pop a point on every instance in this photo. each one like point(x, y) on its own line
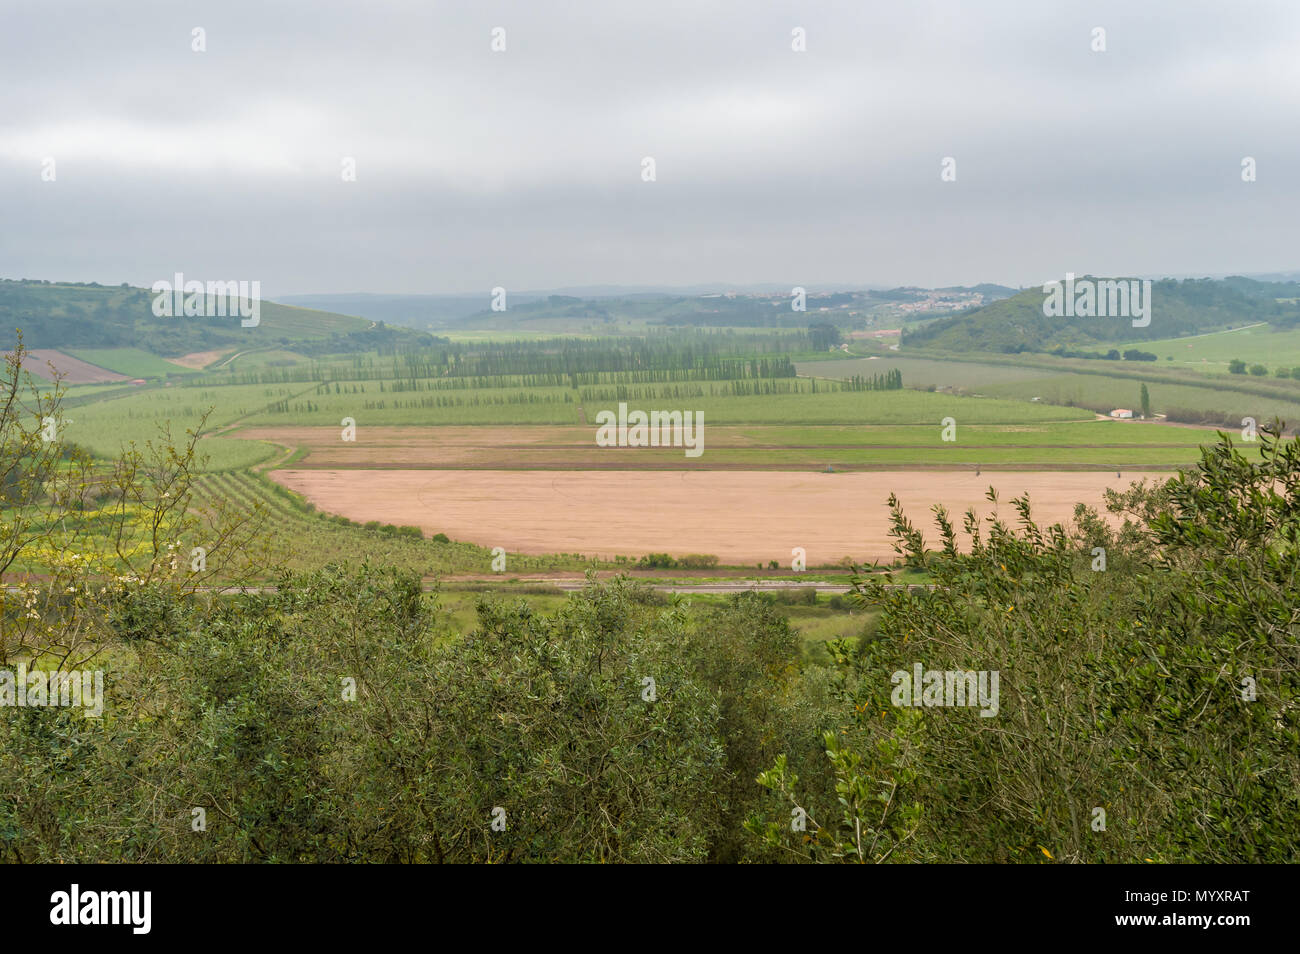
point(1149, 672)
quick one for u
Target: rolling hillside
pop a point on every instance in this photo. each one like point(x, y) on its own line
point(91, 316)
point(1178, 308)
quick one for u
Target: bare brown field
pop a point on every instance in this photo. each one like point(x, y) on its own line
point(741, 517)
point(74, 370)
point(198, 360)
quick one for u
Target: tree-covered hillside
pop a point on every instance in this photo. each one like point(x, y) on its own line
point(70, 315)
point(1178, 308)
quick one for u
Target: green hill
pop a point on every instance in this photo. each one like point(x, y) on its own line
point(1178, 308)
point(71, 315)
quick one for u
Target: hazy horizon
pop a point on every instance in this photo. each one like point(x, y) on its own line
point(523, 168)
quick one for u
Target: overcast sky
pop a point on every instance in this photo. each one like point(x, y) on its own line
point(523, 168)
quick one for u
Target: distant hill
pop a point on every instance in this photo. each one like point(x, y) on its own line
point(554, 310)
point(71, 315)
point(409, 311)
point(1178, 308)
point(1264, 289)
point(987, 289)
point(420, 311)
point(704, 311)
point(552, 313)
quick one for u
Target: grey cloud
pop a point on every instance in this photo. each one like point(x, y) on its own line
point(476, 169)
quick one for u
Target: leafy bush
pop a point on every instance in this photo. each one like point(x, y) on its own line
point(1161, 690)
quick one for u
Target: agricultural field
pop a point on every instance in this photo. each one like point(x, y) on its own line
point(925, 372)
point(492, 443)
point(376, 402)
point(83, 393)
point(269, 358)
point(841, 407)
point(300, 537)
point(105, 426)
point(1092, 444)
point(740, 517)
point(288, 321)
point(132, 362)
point(1254, 344)
point(198, 360)
point(1219, 398)
point(792, 401)
point(280, 366)
point(68, 369)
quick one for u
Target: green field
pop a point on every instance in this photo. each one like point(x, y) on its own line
point(924, 372)
point(1018, 413)
point(288, 321)
point(105, 427)
point(269, 358)
point(1086, 444)
point(1062, 433)
point(82, 393)
point(378, 404)
point(1091, 387)
point(364, 400)
point(132, 361)
point(1258, 344)
point(845, 407)
point(799, 423)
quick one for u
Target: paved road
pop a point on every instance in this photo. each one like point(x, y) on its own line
point(574, 585)
point(742, 586)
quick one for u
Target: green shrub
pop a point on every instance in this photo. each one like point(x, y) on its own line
point(1174, 669)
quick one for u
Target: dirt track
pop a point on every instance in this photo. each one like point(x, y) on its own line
point(741, 518)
